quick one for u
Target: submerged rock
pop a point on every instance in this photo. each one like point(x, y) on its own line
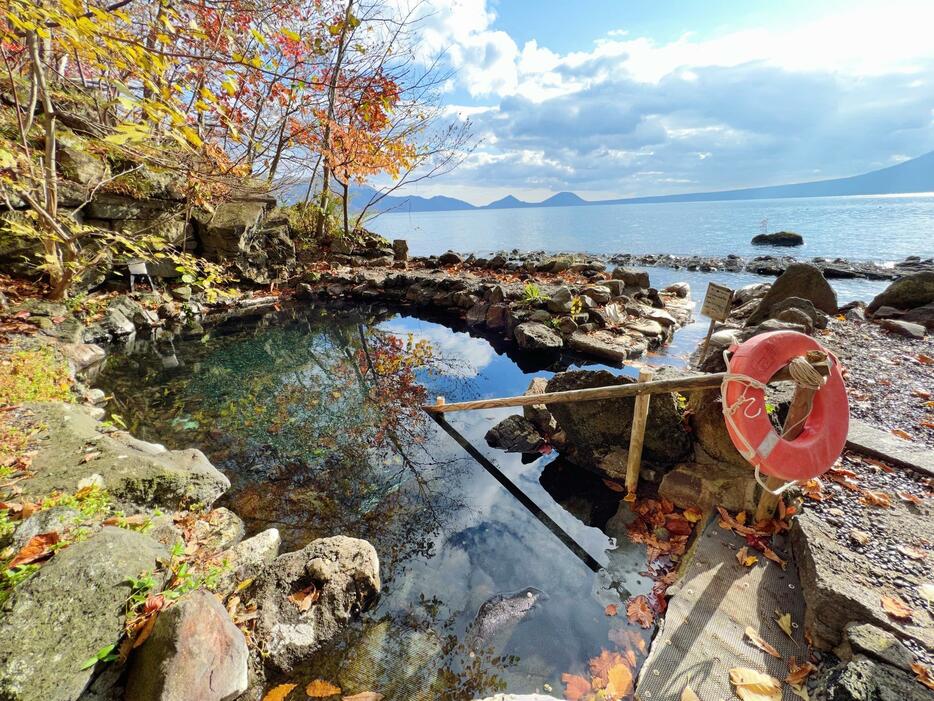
point(344, 573)
point(194, 652)
point(502, 612)
point(64, 614)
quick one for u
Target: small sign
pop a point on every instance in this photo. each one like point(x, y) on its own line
point(717, 302)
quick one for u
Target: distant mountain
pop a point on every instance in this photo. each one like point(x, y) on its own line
point(915, 175)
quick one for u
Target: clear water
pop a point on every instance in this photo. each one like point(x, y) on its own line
point(280, 405)
point(859, 228)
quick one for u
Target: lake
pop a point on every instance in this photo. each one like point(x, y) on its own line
point(860, 228)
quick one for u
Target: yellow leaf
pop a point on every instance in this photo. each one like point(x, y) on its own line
point(689, 695)
point(784, 622)
point(801, 692)
point(619, 680)
point(288, 33)
point(760, 643)
point(320, 689)
point(279, 693)
point(751, 685)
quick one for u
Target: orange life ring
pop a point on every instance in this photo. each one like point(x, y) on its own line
point(821, 441)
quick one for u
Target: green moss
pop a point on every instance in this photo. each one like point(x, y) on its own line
point(34, 375)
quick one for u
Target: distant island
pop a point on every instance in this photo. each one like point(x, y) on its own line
point(915, 175)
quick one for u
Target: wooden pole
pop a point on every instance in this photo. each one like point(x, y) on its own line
point(675, 384)
point(798, 413)
point(637, 436)
point(703, 353)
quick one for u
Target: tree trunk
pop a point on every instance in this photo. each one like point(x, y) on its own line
point(346, 197)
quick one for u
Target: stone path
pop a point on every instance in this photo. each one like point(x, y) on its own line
point(873, 441)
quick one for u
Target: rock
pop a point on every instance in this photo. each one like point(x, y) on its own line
point(793, 315)
point(871, 641)
point(246, 559)
point(218, 530)
point(779, 238)
point(817, 318)
point(919, 315)
point(567, 325)
point(679, 289)
point(538, 414)
point(594, 428)
point(799, 280)
point(886, 312)
point(646, 327)
point(477, 313)
point(400, 249)
point(450, 258)
point(560, 301)
point(54, 520)
point(182, 293)
point(223, 235)
point(532, 335)
point(514, 434)
point(598, 293)
point(77, 163)
point(194, 652)
point(903, 328)
point(83, 355)
point(706, 486)
point(632, 278)
point(61, 616)
point(908, 292)
point(865, 680)
point(603, 344)
point(345, 572)
point(496, 316)
point(705, 416)
point(135, 476)
point(746, 294)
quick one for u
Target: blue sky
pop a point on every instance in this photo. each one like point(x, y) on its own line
point(634, 97)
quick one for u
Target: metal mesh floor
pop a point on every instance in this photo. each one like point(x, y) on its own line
point(701, 637)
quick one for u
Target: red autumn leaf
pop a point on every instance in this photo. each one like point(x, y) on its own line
point(601, 665)
point(575, 687)
point(640, 612)
point(610, 610)
point(911, 498)
point(615, 486)
point(678, 525)
point(37, 549)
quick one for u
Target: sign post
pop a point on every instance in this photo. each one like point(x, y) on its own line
point(716, 307)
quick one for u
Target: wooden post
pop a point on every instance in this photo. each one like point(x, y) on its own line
point(637, 437)
point(703, 353)
point(794, 423)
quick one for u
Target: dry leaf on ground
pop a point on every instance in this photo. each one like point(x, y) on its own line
point(689, 695)
point(911, 552)
point(797, 673)
point(320, 689)
point(744, 558)
point(800, 691)
point(751, 685)
point(639, 611)
point(279, 693)
point(784, 622)
point(37, 549)
point(304, 598)
point(897, 608)
point(910, 498)
point(872, 498)
point(922, 674)
point(693, 515)
point(904, 435)
point(760, 643)
point(364, 696)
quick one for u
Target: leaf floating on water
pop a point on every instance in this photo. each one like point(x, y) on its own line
point(688, 694)
point(619, 681)
point(279, 693)
point(751, 685)
point(364, 696)
point(784, 622)
point(760, 643)
point(897, 608)
point(610, 610)
point(575, 687)
point(37, 549)
point(600, 667)
point(320, 689)
point(639, 611)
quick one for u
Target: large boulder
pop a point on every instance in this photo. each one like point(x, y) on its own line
point(779, 238)
point(632, 278)
point(799, 280)
point(136, 473)
point(329, 581)
point(194, 652)
point(223, 235)
point(921, 315)
point(906, 293)
point(594, 429)
point(533, 335)
point(72, 608)
point(514, 434)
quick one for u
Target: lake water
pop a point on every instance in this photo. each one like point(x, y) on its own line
point(860, 228)
point(284, 405)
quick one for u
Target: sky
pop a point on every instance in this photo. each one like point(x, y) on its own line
point(646, 97)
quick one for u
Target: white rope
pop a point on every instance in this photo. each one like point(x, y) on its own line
point(803, 375)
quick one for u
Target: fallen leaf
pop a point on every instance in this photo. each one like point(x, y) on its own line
point(631, 657)
point(925, 359)
point(145, 631)
point(751, 685)
point(770, 555)
point(910, 498)
point(800, 691)
point(688, 695)
point(134, 520)
point(614, 486)
point(904, 435)
point(619, 680)
point(88, 457)
point(610, 610)
point(760, 643)
point(37, 549)
point(744, 558)
point(911, 552)
point(364, 696)
point(304, 598)
point(861, 537)
point(922, 674)
point(639, 611)
point(279, 693)
point(897, 608)
point(575, 687)
point(797, 673)
point(693, 515)
point(600, 667)
point(784, 622)
point(872, 498)
point(320, 689)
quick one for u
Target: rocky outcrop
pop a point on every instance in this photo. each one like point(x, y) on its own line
point(533, 335)
point(194, 652)
point(906, 293)
point(135, 473)
point(334, 579)
point(68, 611)
point(779, 238)
point(799, 280)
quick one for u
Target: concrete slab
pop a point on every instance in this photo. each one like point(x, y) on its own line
point(877, 443)
point(701, 637)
